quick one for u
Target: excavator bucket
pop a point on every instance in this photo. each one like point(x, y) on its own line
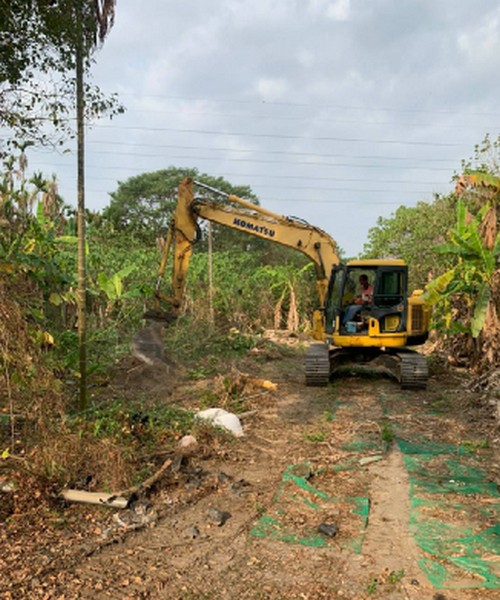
point(147, 344)
point(159, 316)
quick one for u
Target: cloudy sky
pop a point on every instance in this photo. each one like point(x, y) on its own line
point(336, 111)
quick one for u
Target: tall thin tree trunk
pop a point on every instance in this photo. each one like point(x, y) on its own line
point(210, 277)
point(81, 294)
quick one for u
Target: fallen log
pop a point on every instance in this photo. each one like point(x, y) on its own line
point(111, 500)
point(119, 499)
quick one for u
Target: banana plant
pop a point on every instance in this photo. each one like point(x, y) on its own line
point(112, 285)
point(473, 274)
point(475, 179)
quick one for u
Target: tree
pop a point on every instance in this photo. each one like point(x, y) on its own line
point(485, 190)
point(52, 40)
point(37, 62)
point(93, 22)
point(411, 234)
point(471, 288)
point(142, 206)
point(468, 293)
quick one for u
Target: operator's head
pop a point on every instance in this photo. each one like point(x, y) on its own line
point(363, 279)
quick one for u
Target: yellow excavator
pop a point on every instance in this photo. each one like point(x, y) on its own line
point(373, 330)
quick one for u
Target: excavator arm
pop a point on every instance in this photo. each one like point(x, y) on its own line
point(242, 215)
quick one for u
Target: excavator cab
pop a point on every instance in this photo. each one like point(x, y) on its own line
point(386, 301)
point(371, 330)
point(352, 312)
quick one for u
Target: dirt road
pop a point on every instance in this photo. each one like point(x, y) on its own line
point(355, 491)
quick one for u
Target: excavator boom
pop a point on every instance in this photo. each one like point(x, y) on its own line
point(236, 213)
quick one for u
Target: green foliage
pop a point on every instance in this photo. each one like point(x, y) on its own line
point(386, 433)
point(315, 437)
point(377, 584)
point(473, 446)
point(33, 216)
point(486, 159)
point(475, 266)
point(123, 421)
point(112, 285)
point(142, 206)
point(329, 416)
point(411, 234)
point(372, 586)
point(37, 59)
point(395, 576)
point(480, 308)
point(208, 349)
point(248, 301)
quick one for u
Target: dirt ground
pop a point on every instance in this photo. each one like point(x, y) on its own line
point(317, 500)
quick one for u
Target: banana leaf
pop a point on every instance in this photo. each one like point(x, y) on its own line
point(478, 178)
point(462, 225)
point(435, 289)
point(480, 309)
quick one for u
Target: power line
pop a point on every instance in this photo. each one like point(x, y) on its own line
point(268, 161)
point(309, 201)
point(317, 105)
point(281, 117)
point(261, 151)
point(265, 151)
point(258, 151)
point(283, 136)
point(268, 176)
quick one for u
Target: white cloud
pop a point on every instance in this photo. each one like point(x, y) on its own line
point(306, 58)
point(243, 12)
point(481, 44)
point(339, 10)
point(271, 89)
point(336, 10)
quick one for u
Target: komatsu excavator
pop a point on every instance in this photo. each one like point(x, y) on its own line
point(376, 334)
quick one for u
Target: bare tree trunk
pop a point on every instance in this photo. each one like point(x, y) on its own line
point(210, 277)
point(81, 292)
point(292, 323)
point(277, 313)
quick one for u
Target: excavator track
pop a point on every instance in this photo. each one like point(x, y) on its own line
point(317, 365)
point(413, 371)
point(410, 368)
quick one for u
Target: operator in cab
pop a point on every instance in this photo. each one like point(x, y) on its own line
point(364, 297)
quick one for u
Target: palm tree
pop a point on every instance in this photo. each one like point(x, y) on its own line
point(93, 22)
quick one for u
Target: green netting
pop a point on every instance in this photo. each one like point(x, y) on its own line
point(424, 446)
point(454, 513)
point(440, 474)
point(454, 516)
point(430, 486)
point(299, 508)
point(467, 562)
point(272, 528)
point(371, 442)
